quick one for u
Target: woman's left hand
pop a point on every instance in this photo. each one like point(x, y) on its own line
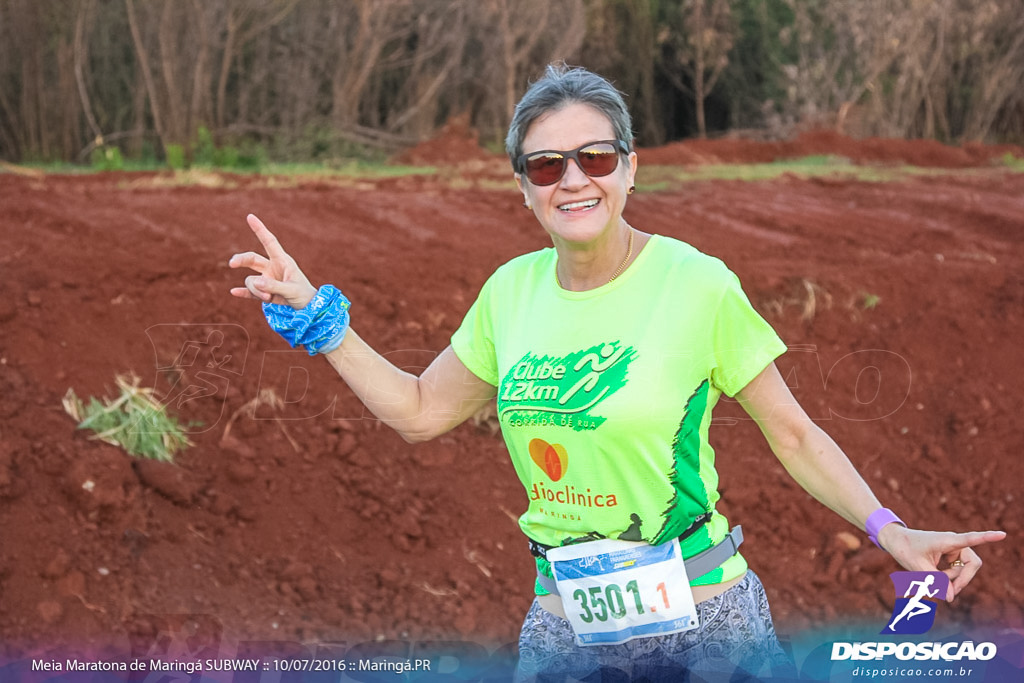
point(924, 551)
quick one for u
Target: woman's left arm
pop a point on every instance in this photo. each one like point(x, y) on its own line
point(814, 460)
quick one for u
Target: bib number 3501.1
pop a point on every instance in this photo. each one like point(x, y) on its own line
point(614, 591)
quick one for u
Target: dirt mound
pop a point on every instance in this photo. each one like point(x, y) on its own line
point(455, 144)
point(297, 518)
point(926, 153)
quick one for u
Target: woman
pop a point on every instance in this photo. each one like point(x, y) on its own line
point(606, 355)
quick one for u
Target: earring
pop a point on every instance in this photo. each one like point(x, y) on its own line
point(631, 190)
point(526, 205)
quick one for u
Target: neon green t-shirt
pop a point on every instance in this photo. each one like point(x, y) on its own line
point(605, 396)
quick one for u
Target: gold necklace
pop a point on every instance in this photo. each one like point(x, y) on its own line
point(618, 271)
point(629, 252)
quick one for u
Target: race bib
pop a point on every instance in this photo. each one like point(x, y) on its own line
point(614, 591)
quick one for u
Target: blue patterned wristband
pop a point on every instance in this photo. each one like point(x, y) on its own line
point(320, 326)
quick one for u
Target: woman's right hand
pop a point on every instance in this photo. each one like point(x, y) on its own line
point(280, 280)
point(925, 551)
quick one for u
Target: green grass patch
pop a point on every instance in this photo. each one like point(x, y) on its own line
point(665, 178)
point(346, 168)
point(227, 162)
point(1013, 163)
point(107, 158)
point(827, 160)
point(68, 168)
point(276, 176)
point(869, 301)
point(175, 156)
point(134, 420)
point(338, 169)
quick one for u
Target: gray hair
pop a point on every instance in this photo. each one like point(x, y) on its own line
point(562, 85)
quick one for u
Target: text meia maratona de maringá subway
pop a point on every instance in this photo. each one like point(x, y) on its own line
point(185, 666)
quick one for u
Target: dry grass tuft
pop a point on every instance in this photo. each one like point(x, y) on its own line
point(135, 420)
point(805, 295)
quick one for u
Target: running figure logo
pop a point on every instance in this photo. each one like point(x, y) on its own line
point(914, 612)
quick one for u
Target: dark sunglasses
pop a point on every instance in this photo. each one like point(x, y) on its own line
point(596, 159)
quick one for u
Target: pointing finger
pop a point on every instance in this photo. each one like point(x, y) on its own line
point(266, 238)
point(974, 538)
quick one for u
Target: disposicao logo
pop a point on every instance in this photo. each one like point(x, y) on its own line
point(917, 598)
point(914, 612)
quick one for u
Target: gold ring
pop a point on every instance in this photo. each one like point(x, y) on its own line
point(956, 563)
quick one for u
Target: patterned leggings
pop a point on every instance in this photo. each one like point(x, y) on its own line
point(735, 641)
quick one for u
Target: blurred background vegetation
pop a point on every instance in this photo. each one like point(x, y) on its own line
point(233, 83)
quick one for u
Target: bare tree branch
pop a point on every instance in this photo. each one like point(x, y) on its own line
point(140, 51)
point(80, 51)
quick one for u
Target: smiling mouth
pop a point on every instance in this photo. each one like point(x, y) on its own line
point(579, 206)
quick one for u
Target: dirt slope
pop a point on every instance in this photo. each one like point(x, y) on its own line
point(902, 304)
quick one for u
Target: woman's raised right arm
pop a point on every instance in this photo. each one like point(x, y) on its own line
point(417, 407)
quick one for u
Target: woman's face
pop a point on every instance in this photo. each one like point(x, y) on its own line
point(577, 210)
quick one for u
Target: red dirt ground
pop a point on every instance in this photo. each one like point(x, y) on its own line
point(312, 523)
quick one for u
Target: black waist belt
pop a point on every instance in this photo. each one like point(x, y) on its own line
point(696, 566)
point(540, 550)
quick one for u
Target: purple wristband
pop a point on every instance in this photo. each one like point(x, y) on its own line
point(878, 519)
